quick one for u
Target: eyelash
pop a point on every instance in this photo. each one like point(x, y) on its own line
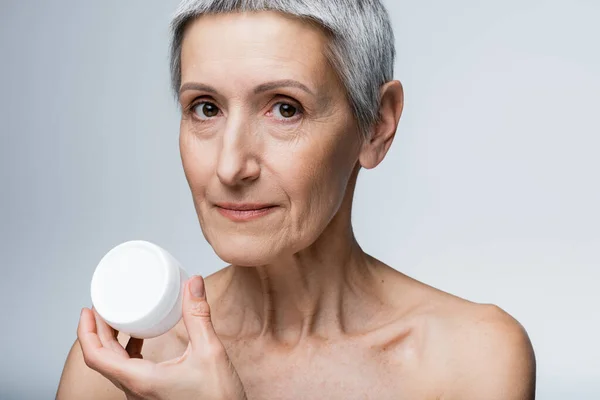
point(299, 111)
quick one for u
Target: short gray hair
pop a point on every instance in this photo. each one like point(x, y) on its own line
point(360, 50)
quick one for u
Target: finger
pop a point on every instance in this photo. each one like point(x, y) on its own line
point(115, 332)
point(117, 368)
point(134, 347)
point(108, 335)
point(196, 315)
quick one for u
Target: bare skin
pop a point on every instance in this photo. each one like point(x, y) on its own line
point(421, 343)
point(302, 311)
point(405, 343)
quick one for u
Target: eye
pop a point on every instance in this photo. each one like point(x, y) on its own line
point(285, 110)
point(205, 110)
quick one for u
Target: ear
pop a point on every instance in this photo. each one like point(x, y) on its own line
point(377, 145)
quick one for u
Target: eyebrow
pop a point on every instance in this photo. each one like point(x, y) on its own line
point(258, 89)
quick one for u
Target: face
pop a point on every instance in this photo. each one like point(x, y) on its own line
point(268, 140)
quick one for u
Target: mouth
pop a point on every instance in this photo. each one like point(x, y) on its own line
point(244, 212)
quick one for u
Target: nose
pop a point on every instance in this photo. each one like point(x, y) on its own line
point(238, 164)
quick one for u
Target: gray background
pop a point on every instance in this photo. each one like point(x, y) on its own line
point(490, 190)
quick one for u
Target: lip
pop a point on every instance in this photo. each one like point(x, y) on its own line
point(244, 212)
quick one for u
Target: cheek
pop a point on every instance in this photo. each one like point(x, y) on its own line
point(316, 180)
point(198, 163)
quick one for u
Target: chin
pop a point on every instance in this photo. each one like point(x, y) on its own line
point(246, 251)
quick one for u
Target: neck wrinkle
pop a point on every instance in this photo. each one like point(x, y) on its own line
point(319, 293)
point(309, 299)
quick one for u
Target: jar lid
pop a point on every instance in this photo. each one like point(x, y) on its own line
point(135, 285)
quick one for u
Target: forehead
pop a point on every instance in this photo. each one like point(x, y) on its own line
point(255, 46)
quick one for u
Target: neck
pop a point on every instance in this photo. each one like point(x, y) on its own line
point(326, 290)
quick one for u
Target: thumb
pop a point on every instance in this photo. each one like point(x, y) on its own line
point(196, 314)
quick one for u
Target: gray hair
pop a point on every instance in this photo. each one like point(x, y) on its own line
point(360, 50)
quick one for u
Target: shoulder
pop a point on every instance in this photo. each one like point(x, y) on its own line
point(78, 381)
point(488, 354)
point(474, 351)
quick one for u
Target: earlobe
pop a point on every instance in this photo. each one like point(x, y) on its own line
point(368, 156)
point(376, 147)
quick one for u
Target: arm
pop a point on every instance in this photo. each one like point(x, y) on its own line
point(499, 363)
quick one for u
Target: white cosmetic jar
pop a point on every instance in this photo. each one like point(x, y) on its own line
point(137, 288)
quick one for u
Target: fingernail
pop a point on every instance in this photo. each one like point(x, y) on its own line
point(197, 287)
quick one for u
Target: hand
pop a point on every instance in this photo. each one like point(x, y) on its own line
point(203, 372)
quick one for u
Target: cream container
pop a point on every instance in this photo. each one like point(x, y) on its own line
point(137, 288)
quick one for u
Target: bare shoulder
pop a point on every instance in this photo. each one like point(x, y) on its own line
point(78, 381)
point(477, 350)
point(497, 357)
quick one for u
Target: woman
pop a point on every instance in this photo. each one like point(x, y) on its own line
point(283, 102)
